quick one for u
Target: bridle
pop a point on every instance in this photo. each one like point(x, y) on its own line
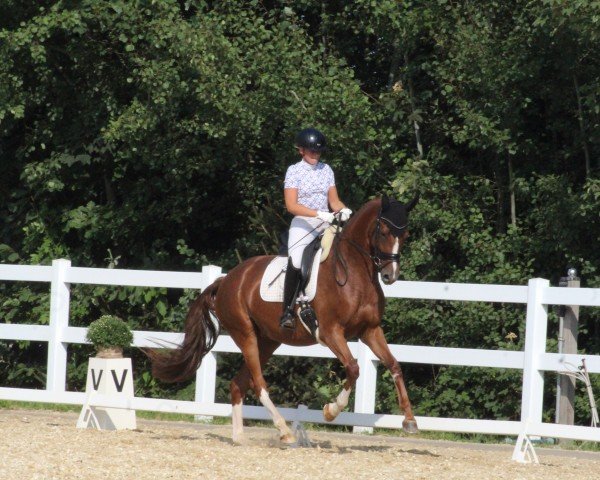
point(379, 258)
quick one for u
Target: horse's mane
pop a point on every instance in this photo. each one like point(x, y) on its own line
point(361, 218)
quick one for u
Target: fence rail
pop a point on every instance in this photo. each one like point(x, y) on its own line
point(533, 361)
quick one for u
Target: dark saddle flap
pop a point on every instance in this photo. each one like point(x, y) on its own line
point(308, 257)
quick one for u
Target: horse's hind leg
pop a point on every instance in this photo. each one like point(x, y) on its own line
point(256, 353)
point(375, 340)
point(238, 388)
point(242, 382)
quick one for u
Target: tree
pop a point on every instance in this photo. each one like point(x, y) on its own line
point(156, 134)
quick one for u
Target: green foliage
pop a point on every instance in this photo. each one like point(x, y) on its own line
point(155, 135)
point(109, 331)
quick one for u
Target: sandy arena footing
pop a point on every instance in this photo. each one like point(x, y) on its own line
point(45, 445)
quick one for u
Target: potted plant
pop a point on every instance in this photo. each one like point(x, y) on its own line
point(110, 335)
point(108, 374)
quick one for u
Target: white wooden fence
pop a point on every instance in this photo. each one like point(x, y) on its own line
point(533, 361)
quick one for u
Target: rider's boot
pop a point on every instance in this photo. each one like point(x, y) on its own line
point(290, 294)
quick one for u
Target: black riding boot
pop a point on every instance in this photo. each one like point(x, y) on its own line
point(290, 294)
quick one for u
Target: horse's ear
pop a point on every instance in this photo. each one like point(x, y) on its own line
point(385, 202)
point(410, 205)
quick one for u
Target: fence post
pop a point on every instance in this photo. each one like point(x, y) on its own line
point(366, 384)
point(56, 376)
point(206, 375)
point(536, 328)
point(567, 343)
point(206, 380)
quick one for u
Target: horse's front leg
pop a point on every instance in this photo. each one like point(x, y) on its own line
point(375, 340)
point(338, 345)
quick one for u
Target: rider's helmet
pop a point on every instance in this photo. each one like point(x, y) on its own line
point(311, 139)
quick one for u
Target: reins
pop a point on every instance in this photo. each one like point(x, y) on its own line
point(338, 257)
point(307, 234)
point(379, 258)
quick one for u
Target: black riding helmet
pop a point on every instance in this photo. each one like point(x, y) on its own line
point(311, 139)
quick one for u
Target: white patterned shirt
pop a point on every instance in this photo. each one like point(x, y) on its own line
point(313, 183)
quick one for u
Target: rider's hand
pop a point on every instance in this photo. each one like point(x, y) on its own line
point(326, 216)
point(344, 214)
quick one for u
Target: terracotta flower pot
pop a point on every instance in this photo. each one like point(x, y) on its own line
point(110, 352)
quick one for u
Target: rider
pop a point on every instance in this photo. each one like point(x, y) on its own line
point(309, 191)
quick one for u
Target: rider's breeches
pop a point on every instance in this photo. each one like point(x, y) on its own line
point(303, 231)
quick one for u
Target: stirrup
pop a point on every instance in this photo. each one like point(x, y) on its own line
point(287, 321)
point(309, 318)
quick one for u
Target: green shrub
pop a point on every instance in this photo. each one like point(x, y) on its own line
point(109, 331)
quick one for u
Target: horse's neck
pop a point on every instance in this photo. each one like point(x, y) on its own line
point(357, 233)
point(360, 228)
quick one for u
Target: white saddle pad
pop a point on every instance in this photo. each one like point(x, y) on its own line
point(271, 285)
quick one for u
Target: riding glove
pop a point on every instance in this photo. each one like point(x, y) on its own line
point(326, 216)
point(344, 214)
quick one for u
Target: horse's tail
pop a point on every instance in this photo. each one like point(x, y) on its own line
point(201, 333)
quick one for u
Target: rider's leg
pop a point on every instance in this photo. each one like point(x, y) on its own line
point(302, 231)
point(290, 294)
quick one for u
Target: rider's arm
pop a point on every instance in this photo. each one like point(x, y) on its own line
point(334, 201)
point(292, 205)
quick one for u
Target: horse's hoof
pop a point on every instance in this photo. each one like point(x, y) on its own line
point(327, 415)
point(410, 426)
point(287, 438)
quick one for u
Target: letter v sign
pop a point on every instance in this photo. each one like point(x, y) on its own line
point(96, 383)
point(118, 384)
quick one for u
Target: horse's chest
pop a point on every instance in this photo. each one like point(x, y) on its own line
point(368, 308)
point(354, 307)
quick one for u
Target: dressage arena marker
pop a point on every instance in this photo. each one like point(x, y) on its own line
point(524, 451)
point(112, 377)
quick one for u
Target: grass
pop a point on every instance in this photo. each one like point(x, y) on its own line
point(54, 407)
point(59, 407)
point(316, 427)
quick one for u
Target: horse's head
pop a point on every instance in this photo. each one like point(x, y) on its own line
point(391, 231)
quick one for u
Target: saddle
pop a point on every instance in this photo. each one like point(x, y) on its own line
point(271, 285)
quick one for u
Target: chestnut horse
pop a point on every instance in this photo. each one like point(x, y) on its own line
point(349, 303)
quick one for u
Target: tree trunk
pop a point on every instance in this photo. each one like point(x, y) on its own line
point(394, 65)
point(511, 192)
point(584, 145)
point(411, 93)
point(108, 190)
point(323, 28)
point(500, 194)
